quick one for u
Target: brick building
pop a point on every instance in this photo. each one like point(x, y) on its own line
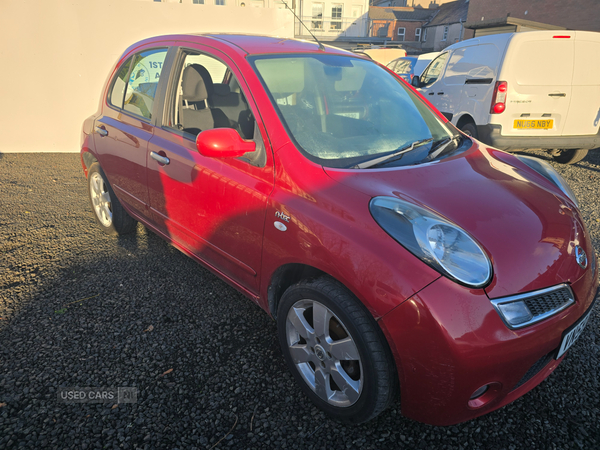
point(402, 24)
point(447, 26)
point(571, 14)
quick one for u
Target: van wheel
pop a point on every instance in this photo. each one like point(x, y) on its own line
point(336, 351)
point(570, 156)
point(469, 129)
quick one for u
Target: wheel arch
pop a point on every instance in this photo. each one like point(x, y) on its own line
point(87, 159)
point(464, 119)
point(286, 276)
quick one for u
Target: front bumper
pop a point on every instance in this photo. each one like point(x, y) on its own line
point(448, 341)
point(492, 135)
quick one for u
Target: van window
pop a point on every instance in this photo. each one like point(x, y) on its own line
point(476, 62)
point(433, 71)
point(547, 62)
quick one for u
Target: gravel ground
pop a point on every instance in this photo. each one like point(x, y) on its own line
point(79, 308)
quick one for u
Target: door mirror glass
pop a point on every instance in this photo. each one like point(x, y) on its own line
point(223, 143)
point(416, 81)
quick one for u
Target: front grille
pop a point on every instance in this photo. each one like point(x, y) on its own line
point(541, 304)
point(535, 369)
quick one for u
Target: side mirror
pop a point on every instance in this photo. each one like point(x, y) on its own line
point(223, 143)
point(416, 81)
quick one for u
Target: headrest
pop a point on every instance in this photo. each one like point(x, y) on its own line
point(196, 83)
point(221, 89)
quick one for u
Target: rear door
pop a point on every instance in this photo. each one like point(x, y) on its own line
point(122, 132)
point(584, 109)
point(538, 68)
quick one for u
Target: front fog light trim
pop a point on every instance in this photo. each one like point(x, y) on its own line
point(515, 313)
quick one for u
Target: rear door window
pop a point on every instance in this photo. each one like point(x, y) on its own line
point(143, 80)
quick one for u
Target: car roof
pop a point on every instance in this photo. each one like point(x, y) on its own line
point(256, 44)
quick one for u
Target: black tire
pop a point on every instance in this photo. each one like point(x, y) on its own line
point(372, 377)
point(107, 209)
point(570, 156)
point(470, 129)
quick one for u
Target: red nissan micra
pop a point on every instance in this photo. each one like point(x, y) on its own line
point(396, 254)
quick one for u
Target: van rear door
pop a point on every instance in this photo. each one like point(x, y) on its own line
point(538, 67)
point(584, 108)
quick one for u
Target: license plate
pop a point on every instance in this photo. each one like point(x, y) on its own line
point(537, 124)
point(569, 339)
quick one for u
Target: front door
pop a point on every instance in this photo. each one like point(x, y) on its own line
point(432, 86)
point(213, 207)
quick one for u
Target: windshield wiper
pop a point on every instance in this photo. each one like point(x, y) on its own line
point(382, 159)
point(437, 150)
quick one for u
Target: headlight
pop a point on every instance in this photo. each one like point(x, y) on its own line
point(436, 241)
point(548, 172)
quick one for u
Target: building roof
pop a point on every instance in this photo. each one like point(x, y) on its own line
point(451, 12)
point(404, 14)
point(503, 21)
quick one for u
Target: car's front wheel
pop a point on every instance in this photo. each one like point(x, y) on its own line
point(469, 129)
point(109, 212)
point(335, 350)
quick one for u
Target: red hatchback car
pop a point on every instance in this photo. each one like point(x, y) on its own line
point(395, 253)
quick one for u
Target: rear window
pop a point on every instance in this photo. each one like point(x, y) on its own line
point(404, 66)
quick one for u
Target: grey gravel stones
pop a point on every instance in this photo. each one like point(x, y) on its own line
point(79, 308)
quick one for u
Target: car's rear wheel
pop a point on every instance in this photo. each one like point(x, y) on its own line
point(569, 156)
point(108, 211)
point(335, 350)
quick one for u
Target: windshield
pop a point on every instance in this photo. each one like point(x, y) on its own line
point(343, 111)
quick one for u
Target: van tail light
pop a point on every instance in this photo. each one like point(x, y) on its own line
point(499, 97)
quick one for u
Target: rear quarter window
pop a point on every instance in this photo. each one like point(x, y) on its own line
point(119, 83)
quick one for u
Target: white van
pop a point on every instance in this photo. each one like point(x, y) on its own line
point(535, 89)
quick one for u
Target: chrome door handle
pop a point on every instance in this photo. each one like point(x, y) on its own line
point(161, 159)
point(101, 131)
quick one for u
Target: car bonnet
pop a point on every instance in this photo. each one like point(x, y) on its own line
point(527, 226)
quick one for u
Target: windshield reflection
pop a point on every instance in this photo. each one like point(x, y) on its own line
point(344, 111)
